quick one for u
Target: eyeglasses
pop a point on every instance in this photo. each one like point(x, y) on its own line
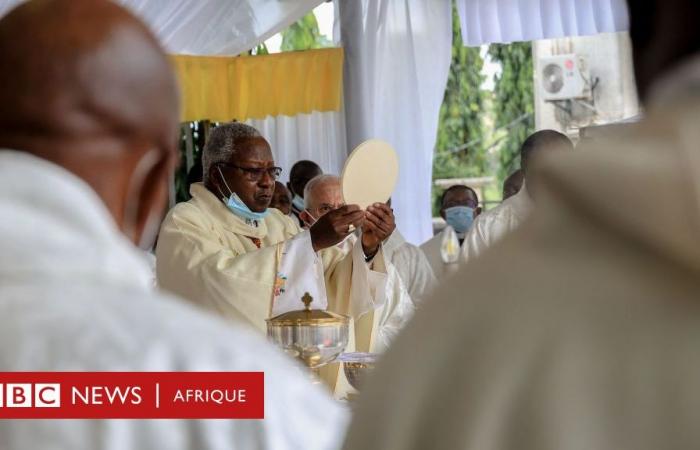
point(256, 173)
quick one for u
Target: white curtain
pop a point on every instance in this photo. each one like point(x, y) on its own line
point(212, 27)
point(487, 21)
point(319, 137)
point(397, 57)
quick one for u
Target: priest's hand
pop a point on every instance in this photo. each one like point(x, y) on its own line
point(379, 224)
point(334, 226)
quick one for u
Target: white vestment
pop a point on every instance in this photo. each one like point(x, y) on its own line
point(491, 226)
point(581, 329)
point(75, 295)
point(431, 249)
point(247, 270)
point(412, 266)
point(389, 306)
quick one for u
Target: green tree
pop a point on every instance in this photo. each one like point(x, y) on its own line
point(513, 102)
point(304, 34)
point(461, 114)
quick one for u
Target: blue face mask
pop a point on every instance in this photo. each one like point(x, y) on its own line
point(298, 203)
point(238, 207)
point(460, 218)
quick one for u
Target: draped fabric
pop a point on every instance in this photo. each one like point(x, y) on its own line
point(294, 99)
point(397, 56)
point(254, 87)
point(212, 27)
point(488, 21)
point(318, 136)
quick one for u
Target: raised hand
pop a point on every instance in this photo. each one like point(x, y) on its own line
point(334, 226)
point(378, 226)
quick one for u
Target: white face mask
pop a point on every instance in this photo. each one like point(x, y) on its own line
point(298, 202)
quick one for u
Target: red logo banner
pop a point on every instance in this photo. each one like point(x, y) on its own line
point(132, 395)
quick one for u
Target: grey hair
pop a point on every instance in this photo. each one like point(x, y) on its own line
point(221, 143)
point(315, 181)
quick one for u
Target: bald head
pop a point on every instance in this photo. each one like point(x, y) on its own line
point(83, 67)
point(540, 142)
point(92, 91)
point(664, 33)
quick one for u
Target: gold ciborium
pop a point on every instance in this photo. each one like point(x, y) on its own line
point(313, 336)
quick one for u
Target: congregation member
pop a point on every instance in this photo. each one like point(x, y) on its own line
point(591, 340)
point(228, 251)
point(494, 224)
point(281, 199)
point(87, 148)
point(513, 184)
point(302, 172)
point(459, 206)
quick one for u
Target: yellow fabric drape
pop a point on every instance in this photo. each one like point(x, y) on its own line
point(254, 87)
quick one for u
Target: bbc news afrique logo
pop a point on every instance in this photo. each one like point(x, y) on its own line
point(30, 395)
point(132, 395)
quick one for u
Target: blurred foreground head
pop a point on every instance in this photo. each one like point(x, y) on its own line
point(539, 144)
point(664, 33)
point(92, 91)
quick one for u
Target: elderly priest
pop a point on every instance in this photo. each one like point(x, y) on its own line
point(226, 250)
point(379, 319)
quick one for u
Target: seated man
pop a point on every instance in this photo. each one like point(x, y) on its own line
point(227, 250)
point(281, 199)
point(302, 171)
point(86, 152)
point(513, 184)
point(459, 206)
point(492, 225)
point(392, 305)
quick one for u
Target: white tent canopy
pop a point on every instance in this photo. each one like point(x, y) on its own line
point(488, 21)
point(212, 27)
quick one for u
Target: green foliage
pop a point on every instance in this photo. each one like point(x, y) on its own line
point(461, 114)
point(304, 34)
point(513, 98)
point(197, 132)
point(261, 49)
point(480, 132)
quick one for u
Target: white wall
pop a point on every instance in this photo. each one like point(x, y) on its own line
point(609, 58)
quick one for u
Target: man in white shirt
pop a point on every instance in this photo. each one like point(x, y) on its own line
point(459, 206)
point(93, 125)
point(493, 225)
point(591, 341)
point(412, 266)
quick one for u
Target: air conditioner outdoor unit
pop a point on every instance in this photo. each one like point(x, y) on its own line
point(563, 77)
